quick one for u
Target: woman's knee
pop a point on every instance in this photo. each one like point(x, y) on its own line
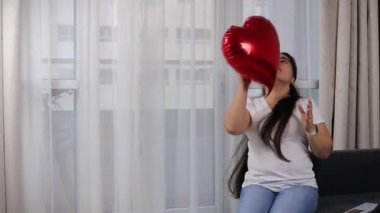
point(296, 199)
point(255, 198)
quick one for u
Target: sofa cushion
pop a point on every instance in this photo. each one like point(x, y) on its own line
point(342, 203)
point(348, 172)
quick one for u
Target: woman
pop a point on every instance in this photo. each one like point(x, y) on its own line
point(275, 174)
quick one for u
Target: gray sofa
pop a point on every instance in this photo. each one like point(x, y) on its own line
point(347, 179)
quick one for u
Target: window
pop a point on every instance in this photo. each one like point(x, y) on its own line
point(66, 33)
point(200, 34)
point(295, 36)
point(202, 74)
point(106, 76)
point(62, 68)
point(105, 34)
point(166, 32)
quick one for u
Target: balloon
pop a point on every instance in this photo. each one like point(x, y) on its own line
point(253, 50)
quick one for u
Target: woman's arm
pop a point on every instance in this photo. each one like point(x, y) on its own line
point(237, 118)
point(321, 143)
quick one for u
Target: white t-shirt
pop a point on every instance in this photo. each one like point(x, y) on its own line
point(265, 168)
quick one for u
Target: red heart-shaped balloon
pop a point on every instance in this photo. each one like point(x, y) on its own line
point(253, 50)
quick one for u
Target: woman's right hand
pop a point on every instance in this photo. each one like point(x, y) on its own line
point(244, 82)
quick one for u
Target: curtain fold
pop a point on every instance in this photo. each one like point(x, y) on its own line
point(2, 154)
point(11, 88)
point(88, 155)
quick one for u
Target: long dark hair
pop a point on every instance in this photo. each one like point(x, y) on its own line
point(276, 123)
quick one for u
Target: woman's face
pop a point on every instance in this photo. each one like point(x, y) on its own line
point(285, 72)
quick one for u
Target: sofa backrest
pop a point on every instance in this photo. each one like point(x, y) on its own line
point(348, 172)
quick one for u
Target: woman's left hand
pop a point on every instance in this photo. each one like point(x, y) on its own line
point(307, 117)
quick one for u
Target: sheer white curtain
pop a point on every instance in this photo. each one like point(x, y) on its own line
point(116, 106)
point(297, 23)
